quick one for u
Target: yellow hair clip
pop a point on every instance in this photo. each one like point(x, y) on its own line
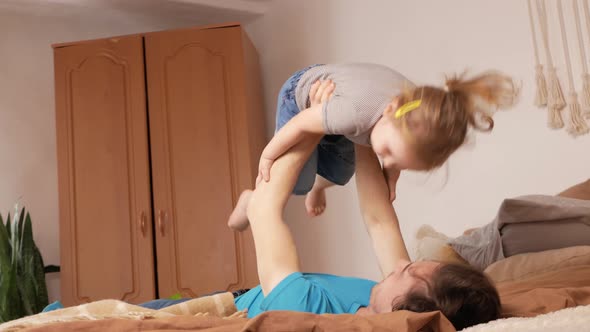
point(407, 107)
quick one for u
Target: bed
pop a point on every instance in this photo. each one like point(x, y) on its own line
point(563, 295)
point(545, 290)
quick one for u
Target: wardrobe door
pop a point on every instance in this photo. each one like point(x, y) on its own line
point(200, 159)
point(103, 165)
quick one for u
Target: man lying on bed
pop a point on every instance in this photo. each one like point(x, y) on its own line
point(464, 295)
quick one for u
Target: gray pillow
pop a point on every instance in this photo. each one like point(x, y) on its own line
point(544, 235)
point(524, 224)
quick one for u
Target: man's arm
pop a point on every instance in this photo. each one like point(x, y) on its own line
point(377, 211)
point(276, 254)
point(391, 176)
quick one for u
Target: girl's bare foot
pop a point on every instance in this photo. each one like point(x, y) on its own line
point(315, 202)
point(238, 220)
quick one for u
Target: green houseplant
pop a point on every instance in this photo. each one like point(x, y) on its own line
point(23, 290)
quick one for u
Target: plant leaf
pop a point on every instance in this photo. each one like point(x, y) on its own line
point(39, 272)
point(21, 227)
point(5, 251)
point(8, 225)
point(23, 290)
point(24, 271)
point(10, 304)
point(32, 262)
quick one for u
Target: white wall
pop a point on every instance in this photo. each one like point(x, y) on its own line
point(424, 39)
point(28, 165)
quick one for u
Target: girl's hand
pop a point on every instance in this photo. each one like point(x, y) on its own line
point(391, 176)
point(321, 92)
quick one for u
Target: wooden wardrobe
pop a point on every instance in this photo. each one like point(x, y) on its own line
point(157, 135)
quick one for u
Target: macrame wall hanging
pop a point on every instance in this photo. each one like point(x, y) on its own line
point(549, 93)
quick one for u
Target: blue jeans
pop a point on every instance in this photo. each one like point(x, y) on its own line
point(332, 159)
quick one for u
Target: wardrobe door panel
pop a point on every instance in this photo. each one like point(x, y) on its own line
point(192, 88)
point(104, 185)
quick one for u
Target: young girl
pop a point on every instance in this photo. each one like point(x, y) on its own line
point(407, 127)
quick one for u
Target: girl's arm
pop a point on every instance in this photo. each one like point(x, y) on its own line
point(377, 211)
point(307, 122)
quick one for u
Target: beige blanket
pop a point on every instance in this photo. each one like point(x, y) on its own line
point(216, 313)
point(219, 305)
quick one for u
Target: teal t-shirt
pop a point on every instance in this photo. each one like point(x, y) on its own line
point(309, 292)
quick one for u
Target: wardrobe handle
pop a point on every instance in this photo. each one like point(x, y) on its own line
point(143, 223)
point(161, 225)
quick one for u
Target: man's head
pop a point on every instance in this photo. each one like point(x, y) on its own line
point(463, 294)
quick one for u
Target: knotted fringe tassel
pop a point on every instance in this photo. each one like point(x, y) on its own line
point(541, 93)
point(586, 95)
point(578, 124)
point(555, 98)
point(554, 121)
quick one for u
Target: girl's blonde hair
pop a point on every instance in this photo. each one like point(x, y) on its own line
point(440, 124)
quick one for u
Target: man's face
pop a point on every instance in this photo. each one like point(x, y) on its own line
point(406, 277)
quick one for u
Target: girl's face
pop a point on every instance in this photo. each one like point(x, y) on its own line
point(390, 146)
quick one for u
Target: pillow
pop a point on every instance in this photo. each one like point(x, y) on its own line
point(437, 246)
point(525, 265)
point(516, 238)
point(538, 236)
point(517, 219)
point(579, 191)
point(432, 245)
point(480, 247)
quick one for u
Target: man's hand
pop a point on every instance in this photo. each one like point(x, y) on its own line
point(264, 169)
point(391, 176)
point(321, 92)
